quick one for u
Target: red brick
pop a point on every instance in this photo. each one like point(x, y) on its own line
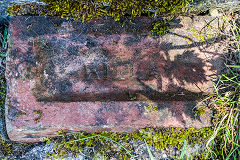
point(99, 76)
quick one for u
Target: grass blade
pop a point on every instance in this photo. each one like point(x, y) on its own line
point(234, 66)
point(5, 40)
point(102, 137)
point(232, 153)
point(118, 144)
point(183, 150)
point(149, 151)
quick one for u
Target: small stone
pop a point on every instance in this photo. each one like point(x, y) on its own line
point(164, 155)
point(214, 13)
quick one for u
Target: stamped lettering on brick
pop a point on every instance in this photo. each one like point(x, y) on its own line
point(97, 74)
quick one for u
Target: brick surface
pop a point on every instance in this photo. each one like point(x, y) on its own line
point(99, 76)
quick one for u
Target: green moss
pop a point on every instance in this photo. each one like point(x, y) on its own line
point(2, 90)
point(39, 113)
point(132, 97)
point(89, 9)
point(161, 27)
point(5, 147)
point(206, 34)
point(152, 108)
point(118, 9)
point(20, 113)
point(200, 112)
point(158, 138)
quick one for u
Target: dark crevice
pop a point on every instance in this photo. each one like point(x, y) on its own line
point(204, 13)
point(124, 96)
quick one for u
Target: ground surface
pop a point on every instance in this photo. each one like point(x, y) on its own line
point(38, 151)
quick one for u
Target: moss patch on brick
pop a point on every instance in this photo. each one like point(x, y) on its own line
point(89, 9)
point(161, 139)
point(39, 114)
point(118, 9)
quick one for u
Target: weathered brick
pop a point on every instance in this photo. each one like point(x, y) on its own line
point(99, 76)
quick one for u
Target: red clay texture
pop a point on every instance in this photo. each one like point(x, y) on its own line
point(99, 76)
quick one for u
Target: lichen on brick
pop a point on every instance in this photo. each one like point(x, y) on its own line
point(39, 114)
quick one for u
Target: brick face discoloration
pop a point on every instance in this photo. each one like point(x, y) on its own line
point(99, 76)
